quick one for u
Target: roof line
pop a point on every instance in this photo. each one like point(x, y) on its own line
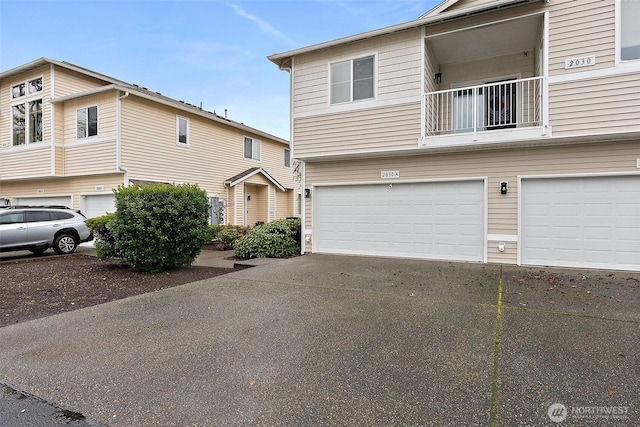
point(280, 58)
point(242, 177)
point(116, 84)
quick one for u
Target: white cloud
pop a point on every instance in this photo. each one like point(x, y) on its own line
point(262, 23)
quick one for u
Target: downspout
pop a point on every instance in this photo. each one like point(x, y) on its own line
point(423, 104)
point(303, 204)
point(303, 214)
point(545, 113)
point(226, 217)
point(53, 122)
point(119, 167)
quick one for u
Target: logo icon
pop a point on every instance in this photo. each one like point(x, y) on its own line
point(557, 412)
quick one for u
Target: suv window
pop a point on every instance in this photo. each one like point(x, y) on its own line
point(12, 218)
point(37, 216)
point(60, 215)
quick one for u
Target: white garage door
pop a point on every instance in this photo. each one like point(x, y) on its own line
point(98, 205)
point(581, 222)
point(43, 201)
point(443, 220)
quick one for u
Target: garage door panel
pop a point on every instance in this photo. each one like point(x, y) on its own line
point(98, 204)
point(422, 220)
point(581, 222)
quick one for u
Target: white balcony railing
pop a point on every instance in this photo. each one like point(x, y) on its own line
point(493, 106)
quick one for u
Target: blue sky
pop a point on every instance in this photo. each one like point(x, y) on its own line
point(208, 51)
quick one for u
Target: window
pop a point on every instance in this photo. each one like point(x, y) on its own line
point(352, 80)
point(287, 158)
point(18, 90)
point(27, 114)
point(38, 216)
point(629, 30)
point(12, 218)
point(183, 130)
point(87, 122)
point(251, 148)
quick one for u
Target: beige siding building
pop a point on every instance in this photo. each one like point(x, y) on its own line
point(70, 136)
point(503, 131)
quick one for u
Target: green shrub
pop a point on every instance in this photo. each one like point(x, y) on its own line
point(159, 226)
point(272, 240)
point(104, 240)
point(225, 236)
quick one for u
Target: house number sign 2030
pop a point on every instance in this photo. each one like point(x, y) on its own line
point(585, 61)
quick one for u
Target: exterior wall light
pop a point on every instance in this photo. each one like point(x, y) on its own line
point(504, 186)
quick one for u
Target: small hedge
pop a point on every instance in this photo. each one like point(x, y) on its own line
point(105, 242)
point(158, 227)
point(223, 237)
point(276, 239)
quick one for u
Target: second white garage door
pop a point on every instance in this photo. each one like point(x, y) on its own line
point(591, 222)
point(436, 220)
point(98, 205)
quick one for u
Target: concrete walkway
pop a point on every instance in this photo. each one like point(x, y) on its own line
point(334, 340)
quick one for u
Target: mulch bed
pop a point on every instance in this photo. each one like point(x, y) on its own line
point(39, 287)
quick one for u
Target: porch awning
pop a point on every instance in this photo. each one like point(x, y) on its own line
point(241, 177)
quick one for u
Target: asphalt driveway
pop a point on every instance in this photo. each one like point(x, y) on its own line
point(330, 340)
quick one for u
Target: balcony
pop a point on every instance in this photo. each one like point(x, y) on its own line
point(487, 113)
point(485, 80)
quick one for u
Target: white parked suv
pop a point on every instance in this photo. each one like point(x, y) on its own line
point(38, 228)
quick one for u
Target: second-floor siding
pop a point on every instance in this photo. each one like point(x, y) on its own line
point(151, 150)
point(389, 118)
point(564, 57)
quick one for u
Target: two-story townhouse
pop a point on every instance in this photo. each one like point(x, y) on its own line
point(69, 136)
point(503, 131)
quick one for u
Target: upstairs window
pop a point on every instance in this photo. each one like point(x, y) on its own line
point(352, 80)
point(287, 158)
point(251, 148)
point(183, 130)
point(87, 122)
point(26, 112)
point(629, 30)
point(32, 87)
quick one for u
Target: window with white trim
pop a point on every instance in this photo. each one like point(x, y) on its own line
point(87, 122)
point(287, 158)
point(182, 124)
point(629, 30)
point(352, 80)
point(251, 148)
point(26, 112)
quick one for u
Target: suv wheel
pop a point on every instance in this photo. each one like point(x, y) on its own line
point(65, 244)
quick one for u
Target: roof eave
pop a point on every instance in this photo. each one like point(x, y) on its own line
point(280, 58)
point(138, 91)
